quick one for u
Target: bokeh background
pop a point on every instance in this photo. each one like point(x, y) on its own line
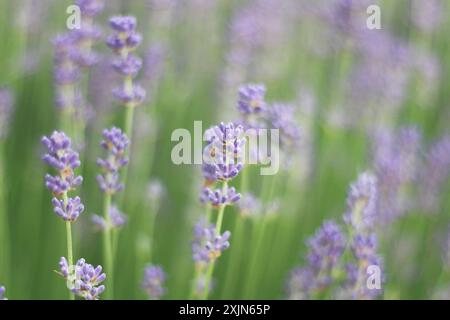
point(347, 84)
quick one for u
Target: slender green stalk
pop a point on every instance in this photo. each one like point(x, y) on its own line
point(107, 246)
point(69, 243)
point(210, 270)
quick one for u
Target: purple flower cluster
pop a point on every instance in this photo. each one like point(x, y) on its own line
point(61, 157)
point(220, 197)
point(364, 249)
point(223, 154)
point(395, 160)
point(2, 293)
point(6, 105)
point(250, 205)
point(124, 41)
point(116, 219)
point(115, 143)
point(251, 98)
point(72, 51)
point(83, 279)
point(362, 203)
point(208, 245)
point(325, 250)
point(153, 281)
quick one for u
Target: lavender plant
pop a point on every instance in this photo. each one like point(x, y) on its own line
point(153, 282)
point(65, 160)
point(115, 144)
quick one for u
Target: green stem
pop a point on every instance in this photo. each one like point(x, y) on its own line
point(69, 242)
point(107, 246)
point(210, 271)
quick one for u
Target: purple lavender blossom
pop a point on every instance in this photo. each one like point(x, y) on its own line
point(395, 160)
point(427, 16)
point(224, 150)
point(251, 98)
point(220, 197)
point(68, 210)
point(64, 159)
point(2, 293)
point(208, 245)
point(90, 8)
point(434, 174)
point(364, 249)
point(6, 106)
point(362, 202)
point(124, 41)
point(300, 284)
point(325, 251)
point(153, 281)
point(282, 117)
point(250, 205)
point(116, 219)
point(115, 143)
point(83, 279)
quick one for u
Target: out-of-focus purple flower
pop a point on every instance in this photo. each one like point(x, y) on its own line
point(208, 245)
point(153, 281)
point(282, 117)
point(115, 143)
point(362, 203)
point(6, 106)
point(220, 197)
point(117, 219)
point(83, 279)
point(427, 16)
point(251, 98)
point(224, 151)
point(156, 190)
point(434, 174)
point(124, 41)
point(325, 251)
point(154, 59)
point(395, 160)
point(2, 293)
point(300, 284)
point(326, 248)
point(364, 249)
point(61, 156)
point(250, 205)
point(69, 209)
point(90, 8)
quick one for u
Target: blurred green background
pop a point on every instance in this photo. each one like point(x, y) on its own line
point(197, 40)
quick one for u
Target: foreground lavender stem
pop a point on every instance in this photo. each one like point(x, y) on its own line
point(115, 143)
point(64, 159)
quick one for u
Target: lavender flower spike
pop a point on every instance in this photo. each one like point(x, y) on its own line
point(124, 41)
point(83, 279)
point(64, 159)
point(2, 293)
point(224, 151)
point(115, 143)
point(152, 283)
point(362, 202)
point(68, 210)
point(282, 116)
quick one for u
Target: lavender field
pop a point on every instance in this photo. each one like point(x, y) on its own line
point(128, 130)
